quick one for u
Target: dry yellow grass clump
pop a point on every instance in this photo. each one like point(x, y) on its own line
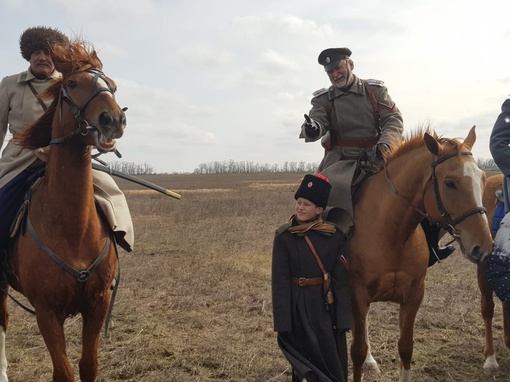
point(194, 302)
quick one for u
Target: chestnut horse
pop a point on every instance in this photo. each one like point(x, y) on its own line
point(491, 366)
point(425, 177)
point(65, 260)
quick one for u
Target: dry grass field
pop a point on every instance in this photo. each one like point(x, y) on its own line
point(194, 302)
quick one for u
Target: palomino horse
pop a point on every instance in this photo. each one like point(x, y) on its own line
point(491, 366)
point(65, 261)
point(425, 177)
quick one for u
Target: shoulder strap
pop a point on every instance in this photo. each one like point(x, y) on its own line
point(43, 105)
point(282, 229)
point(375, 106)
point(327, 277)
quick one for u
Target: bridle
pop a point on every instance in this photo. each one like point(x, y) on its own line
point(79, 111)
point(450, 223)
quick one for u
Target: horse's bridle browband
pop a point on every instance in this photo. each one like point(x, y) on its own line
point(79, 112)
point(450, 223)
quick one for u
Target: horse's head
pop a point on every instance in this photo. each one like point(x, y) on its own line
point(89, 95)
point(84, 108)
point(454, 197)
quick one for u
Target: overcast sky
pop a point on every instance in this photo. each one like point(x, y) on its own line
point(224, 80)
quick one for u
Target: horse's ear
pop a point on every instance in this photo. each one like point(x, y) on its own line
point(432, 144)
point(471, 138)
point(97, 62)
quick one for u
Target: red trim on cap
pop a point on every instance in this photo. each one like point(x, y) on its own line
point(320, 176)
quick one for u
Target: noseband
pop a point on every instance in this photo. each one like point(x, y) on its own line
point(79, 112)
point(450, 223)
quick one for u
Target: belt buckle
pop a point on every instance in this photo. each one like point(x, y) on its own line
point(301, 281)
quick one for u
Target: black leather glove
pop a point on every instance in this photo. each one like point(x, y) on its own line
point(311, 127)
point(381, 148)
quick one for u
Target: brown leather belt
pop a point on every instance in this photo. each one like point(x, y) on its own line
point(360, 143)
point(303, 281)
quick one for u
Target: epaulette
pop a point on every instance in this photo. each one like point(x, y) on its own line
point(282, 229)
point(320, 92)
point(375, 82)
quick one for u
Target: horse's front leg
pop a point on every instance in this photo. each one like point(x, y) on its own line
point(52, 330)
point(93, 320)
point(407, 318)
point(4, 320)
point(370, 364)
point(490, 366)
point(359, 346)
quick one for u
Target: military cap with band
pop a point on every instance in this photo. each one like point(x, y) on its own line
point(330, 58)
point(36, 38)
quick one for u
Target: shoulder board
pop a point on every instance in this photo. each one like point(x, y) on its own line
point(320, 92)
point(375, 82)
point(282, 229)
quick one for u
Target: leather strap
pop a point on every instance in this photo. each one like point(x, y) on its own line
point(375, 106)
point(303, 281)
point(360, 143)
point(43, 105)
point(327, 278)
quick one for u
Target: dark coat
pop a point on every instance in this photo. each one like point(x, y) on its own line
point(498, 263)
point(311, 334)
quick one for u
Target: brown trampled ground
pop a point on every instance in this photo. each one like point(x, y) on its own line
point(194, 302)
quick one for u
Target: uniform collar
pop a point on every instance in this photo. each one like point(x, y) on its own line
point(29, 76)
point(357, 87)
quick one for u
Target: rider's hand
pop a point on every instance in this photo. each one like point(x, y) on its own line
point(381, 148)
point(311, 127)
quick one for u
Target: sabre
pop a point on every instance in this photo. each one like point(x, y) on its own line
point(134, 179)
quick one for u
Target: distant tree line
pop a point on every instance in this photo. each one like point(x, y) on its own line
point(246, 167)
point(486, 163)
point(132, 168)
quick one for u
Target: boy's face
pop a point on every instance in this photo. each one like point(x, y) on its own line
point(306, 210)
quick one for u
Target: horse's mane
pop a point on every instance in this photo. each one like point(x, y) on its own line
point(69, 58)
point(415, 139)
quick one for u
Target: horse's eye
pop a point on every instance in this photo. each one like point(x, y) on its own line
point(71, 84)
point(450, 184)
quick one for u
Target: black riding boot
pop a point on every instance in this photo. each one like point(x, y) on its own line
point(436, 253)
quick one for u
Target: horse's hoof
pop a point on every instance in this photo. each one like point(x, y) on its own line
point(371, 367)
point(491, 367)
point(491, 371)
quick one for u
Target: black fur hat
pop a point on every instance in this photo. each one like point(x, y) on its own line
point(39, 38)
point(315, 188)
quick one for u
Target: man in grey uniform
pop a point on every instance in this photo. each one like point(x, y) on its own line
point(350, 117)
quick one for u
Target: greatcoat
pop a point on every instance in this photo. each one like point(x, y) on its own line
point(311, 334)
point(350, 116)
point(19, 108)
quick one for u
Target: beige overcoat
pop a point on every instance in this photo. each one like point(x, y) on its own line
point(19, 108)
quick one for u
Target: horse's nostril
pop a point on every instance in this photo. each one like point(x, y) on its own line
point(105, 119)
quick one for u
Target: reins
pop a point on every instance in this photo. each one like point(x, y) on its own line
point(450, 223)
point(79, 112)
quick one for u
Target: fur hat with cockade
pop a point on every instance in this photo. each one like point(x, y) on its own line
point(36, 38)
point(315, 188)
